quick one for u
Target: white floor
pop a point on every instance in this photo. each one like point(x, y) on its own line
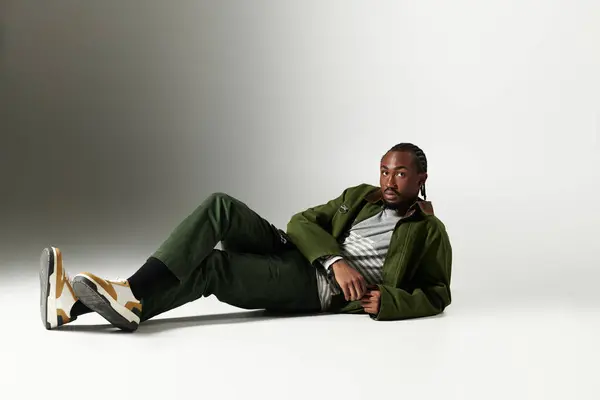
point(208, 350)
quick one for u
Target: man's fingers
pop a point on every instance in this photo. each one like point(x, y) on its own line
point(363, 286)
point(366, 301)
point(355, 289)
point(358, 291)
point(346, 292)
point(353, 292)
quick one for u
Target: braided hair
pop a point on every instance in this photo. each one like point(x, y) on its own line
point(419, 155)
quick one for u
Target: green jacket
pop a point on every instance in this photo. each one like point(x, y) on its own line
point(418, 265)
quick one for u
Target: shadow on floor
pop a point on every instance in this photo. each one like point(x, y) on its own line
point(159, 325)
point(164, 324)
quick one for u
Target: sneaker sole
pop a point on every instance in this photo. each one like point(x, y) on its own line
point(47, 289)
point(50, 268)
point(88, 293)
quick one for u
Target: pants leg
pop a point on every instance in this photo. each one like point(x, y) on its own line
point(256, 270)
point(220, 218)
point(283, 281)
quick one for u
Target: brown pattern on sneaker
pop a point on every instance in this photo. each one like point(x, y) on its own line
point(60, 282)
point(131, 306)
point(105, 285)
point(124, 283)
point(61, 279)
point(62, 314)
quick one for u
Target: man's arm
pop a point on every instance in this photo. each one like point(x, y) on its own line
point(310, 230)
point(431, 294)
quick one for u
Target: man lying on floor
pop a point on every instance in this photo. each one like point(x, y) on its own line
point(379, 251)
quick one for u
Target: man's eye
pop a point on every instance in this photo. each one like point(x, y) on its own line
point(401, 173)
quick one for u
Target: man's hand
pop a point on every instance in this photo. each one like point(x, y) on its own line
point(371, 301)
point(353, 284)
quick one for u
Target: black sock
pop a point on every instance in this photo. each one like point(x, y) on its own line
point(150, 278)
point(79, 309)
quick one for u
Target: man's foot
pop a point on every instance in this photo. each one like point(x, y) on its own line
point(56, 293)
point(112, 299)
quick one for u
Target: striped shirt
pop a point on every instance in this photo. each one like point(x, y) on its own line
point(364, 248)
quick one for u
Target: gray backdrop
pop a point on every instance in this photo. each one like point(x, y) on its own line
point(118, 118)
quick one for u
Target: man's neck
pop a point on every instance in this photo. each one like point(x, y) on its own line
point(401, 208)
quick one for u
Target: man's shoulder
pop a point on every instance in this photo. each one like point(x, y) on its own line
point(435, 223)
point(435, 226)
point(359, 190)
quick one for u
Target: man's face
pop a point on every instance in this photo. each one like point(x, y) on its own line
point(399, 178)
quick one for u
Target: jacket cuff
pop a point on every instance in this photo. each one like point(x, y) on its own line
point(387, 306)
point(328, 261)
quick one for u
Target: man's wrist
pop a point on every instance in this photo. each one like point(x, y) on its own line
point(328, 261)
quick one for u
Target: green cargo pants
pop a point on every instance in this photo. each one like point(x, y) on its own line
point(257, 268)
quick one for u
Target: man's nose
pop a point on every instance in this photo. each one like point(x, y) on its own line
point(391, 183)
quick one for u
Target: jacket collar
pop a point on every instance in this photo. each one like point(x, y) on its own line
point(423, 206)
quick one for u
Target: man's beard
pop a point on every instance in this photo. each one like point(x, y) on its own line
point(400, 203)
point(391, 206)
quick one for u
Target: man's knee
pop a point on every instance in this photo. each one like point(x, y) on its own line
point(220, 198)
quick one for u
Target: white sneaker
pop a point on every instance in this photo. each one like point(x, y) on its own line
point(56, 293)
point(112, 299)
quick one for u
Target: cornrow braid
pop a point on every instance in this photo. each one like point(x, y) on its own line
point(419, 156)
